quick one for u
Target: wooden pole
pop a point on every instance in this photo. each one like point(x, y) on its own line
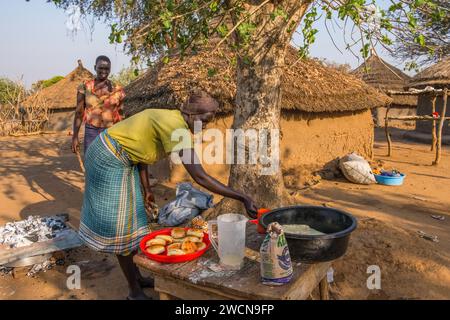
point(323, 289)
point(386, 129)
point(441, 126)
point(418, 118)
point(80, 161)
point(165, 296)
point(433, 125)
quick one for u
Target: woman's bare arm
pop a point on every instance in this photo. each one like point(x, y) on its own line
point(148, 193)
point(77, 121)
point(199, 175)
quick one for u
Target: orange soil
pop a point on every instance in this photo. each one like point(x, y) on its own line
point(40, 176)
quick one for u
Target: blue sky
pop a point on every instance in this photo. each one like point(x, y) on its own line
point(36, 44)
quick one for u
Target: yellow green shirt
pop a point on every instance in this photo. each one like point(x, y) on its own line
point(147, 135)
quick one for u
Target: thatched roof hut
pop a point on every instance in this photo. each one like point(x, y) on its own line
point(325, 113)
point(61, 98)
point(307, 85)
point(63, 94)
point(385, 77)
point(437, 76)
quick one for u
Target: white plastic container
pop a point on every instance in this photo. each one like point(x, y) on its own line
point(229, 241)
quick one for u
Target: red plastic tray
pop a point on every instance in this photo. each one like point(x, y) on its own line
point(172, 259)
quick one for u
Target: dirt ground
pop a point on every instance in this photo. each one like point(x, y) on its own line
point(40, 176)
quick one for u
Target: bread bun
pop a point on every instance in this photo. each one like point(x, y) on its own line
point(155, 242)
point(178, 240)
point(178, 233)
point(200, 246)
point(195, 232)
point(188, 246)
point(165, 237)
point(176, 252)
point(193, 239)
point(174, 246)
point(156, 249)
point(199, 223)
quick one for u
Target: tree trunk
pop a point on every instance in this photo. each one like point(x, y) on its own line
point(258, 102)
point(258, 107)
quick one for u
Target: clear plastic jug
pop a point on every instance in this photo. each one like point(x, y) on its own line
point(227, 235)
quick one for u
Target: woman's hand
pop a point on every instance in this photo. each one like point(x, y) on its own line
point(75, 144)
point(149, 199)
point(250, 206)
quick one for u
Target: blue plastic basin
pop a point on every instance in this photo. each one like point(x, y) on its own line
point(390, 181)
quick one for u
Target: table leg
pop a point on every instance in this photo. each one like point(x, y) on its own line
point(323, 288)
point(165, 296)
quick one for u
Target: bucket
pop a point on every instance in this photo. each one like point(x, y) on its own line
point(390, 181)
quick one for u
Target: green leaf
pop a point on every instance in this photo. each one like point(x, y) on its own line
point(302, 52)
point(278, 12)
point(112, 34)
point(386, 24)
point(419, 3)
point(136, 72)
point(167, 24)
point(135, 59)
point(245, 31)
point(365, 50)
point(222, 30)
point(412, 21)
point(165, 60)
point(411, 65)
point(247, 60)
point(170, 5)
point(214, 6)
point(166, 19)
point(386, 40)
point(420, 39)
point(212, 72)
point(328, 12)
point(395, 7)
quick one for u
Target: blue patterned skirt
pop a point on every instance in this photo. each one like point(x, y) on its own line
point(113, 217)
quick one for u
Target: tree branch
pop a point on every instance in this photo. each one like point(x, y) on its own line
point(239, 23)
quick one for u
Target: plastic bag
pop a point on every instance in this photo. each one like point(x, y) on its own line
point(276, 266)
point(188, 204)
point(356, 169)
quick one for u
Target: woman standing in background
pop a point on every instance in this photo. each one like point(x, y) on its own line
point(99, 105)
